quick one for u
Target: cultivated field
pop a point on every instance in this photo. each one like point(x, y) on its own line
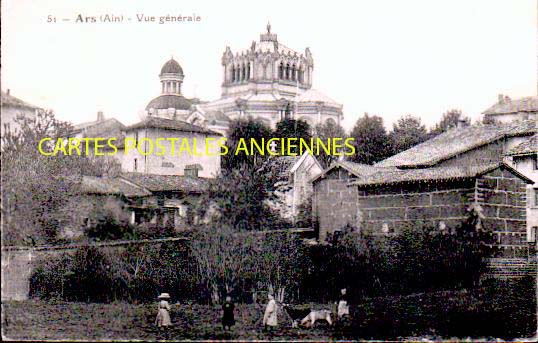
point(440, 315)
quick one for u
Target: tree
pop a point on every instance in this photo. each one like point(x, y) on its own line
point(239, 199)
point(370, 140)
point(35, 187)
point(291, 128)
point(407, 132)
point(325, 131)
point(449, 120)
point(246, 130)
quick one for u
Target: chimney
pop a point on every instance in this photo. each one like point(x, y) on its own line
point(191, 170)
point(100, 116)
point(501, 98)
point(462, 123)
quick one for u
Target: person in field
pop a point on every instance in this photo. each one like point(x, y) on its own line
point(343, 306)
point(163, 321)
point(270, 316)
point(228, 318)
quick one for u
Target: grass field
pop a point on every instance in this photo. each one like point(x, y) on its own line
point(440, 315)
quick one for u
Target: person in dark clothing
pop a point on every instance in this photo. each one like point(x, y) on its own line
point(228, 319)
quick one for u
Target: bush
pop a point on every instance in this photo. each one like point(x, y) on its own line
point(417, 259)
point(109, 221)
point(135, 273)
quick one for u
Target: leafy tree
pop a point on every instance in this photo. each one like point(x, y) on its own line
point(35, 187)
point(407, 132)
point(291, 128)
point(449, 120)
point(370, 140)
point(244, 129)
point(327, 131)
point(239, 199)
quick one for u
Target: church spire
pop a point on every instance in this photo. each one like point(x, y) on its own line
point(268, 37)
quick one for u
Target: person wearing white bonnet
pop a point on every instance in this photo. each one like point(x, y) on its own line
point(163, 315)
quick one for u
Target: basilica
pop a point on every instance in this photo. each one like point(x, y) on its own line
point(269, 82)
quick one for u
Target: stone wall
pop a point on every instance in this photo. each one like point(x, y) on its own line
point(439, 204)
point(334, 204)
point(502, 196)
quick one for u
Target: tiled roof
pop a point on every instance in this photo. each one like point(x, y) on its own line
point(385, 176)
point(456, 141)
point(526, 104)
point(111, 186)
point(10, 100)
point(357, 169)
point(528, 146)
point(167, 183)
point(94, 128)
point(170, 124)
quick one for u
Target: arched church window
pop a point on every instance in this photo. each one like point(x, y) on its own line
point(248, 71)
point(281, 71)
point(287, 71)
point(238, 73)
point(243, 72)
point(293, 71)
point(233, 73)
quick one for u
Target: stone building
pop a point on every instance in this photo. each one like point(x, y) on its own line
point(507, 110)
point(271, 81)
point(334, 203)
point(524, 157)
point(184, 146)
point(436, 181)
point(12, 108)
point(294, 187)
point(162, 200)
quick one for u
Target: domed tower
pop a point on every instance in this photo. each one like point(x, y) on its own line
point(271, 82)
point(171, 77)
point(171, 103)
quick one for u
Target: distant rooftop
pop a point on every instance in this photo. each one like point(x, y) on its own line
point(10, 100)
point(505, 105)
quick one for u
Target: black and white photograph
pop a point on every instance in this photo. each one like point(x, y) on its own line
point(181, 170)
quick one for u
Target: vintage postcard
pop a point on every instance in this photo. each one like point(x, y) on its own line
point(269, 171)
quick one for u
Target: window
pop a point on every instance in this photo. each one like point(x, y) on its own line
point(385, 228)
point(136, 139)
point(135, 166)
point(535, 163)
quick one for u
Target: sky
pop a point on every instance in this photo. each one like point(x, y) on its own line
point(384, 57)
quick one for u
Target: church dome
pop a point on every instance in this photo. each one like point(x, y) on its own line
point(167, 101)
point(171, 67)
